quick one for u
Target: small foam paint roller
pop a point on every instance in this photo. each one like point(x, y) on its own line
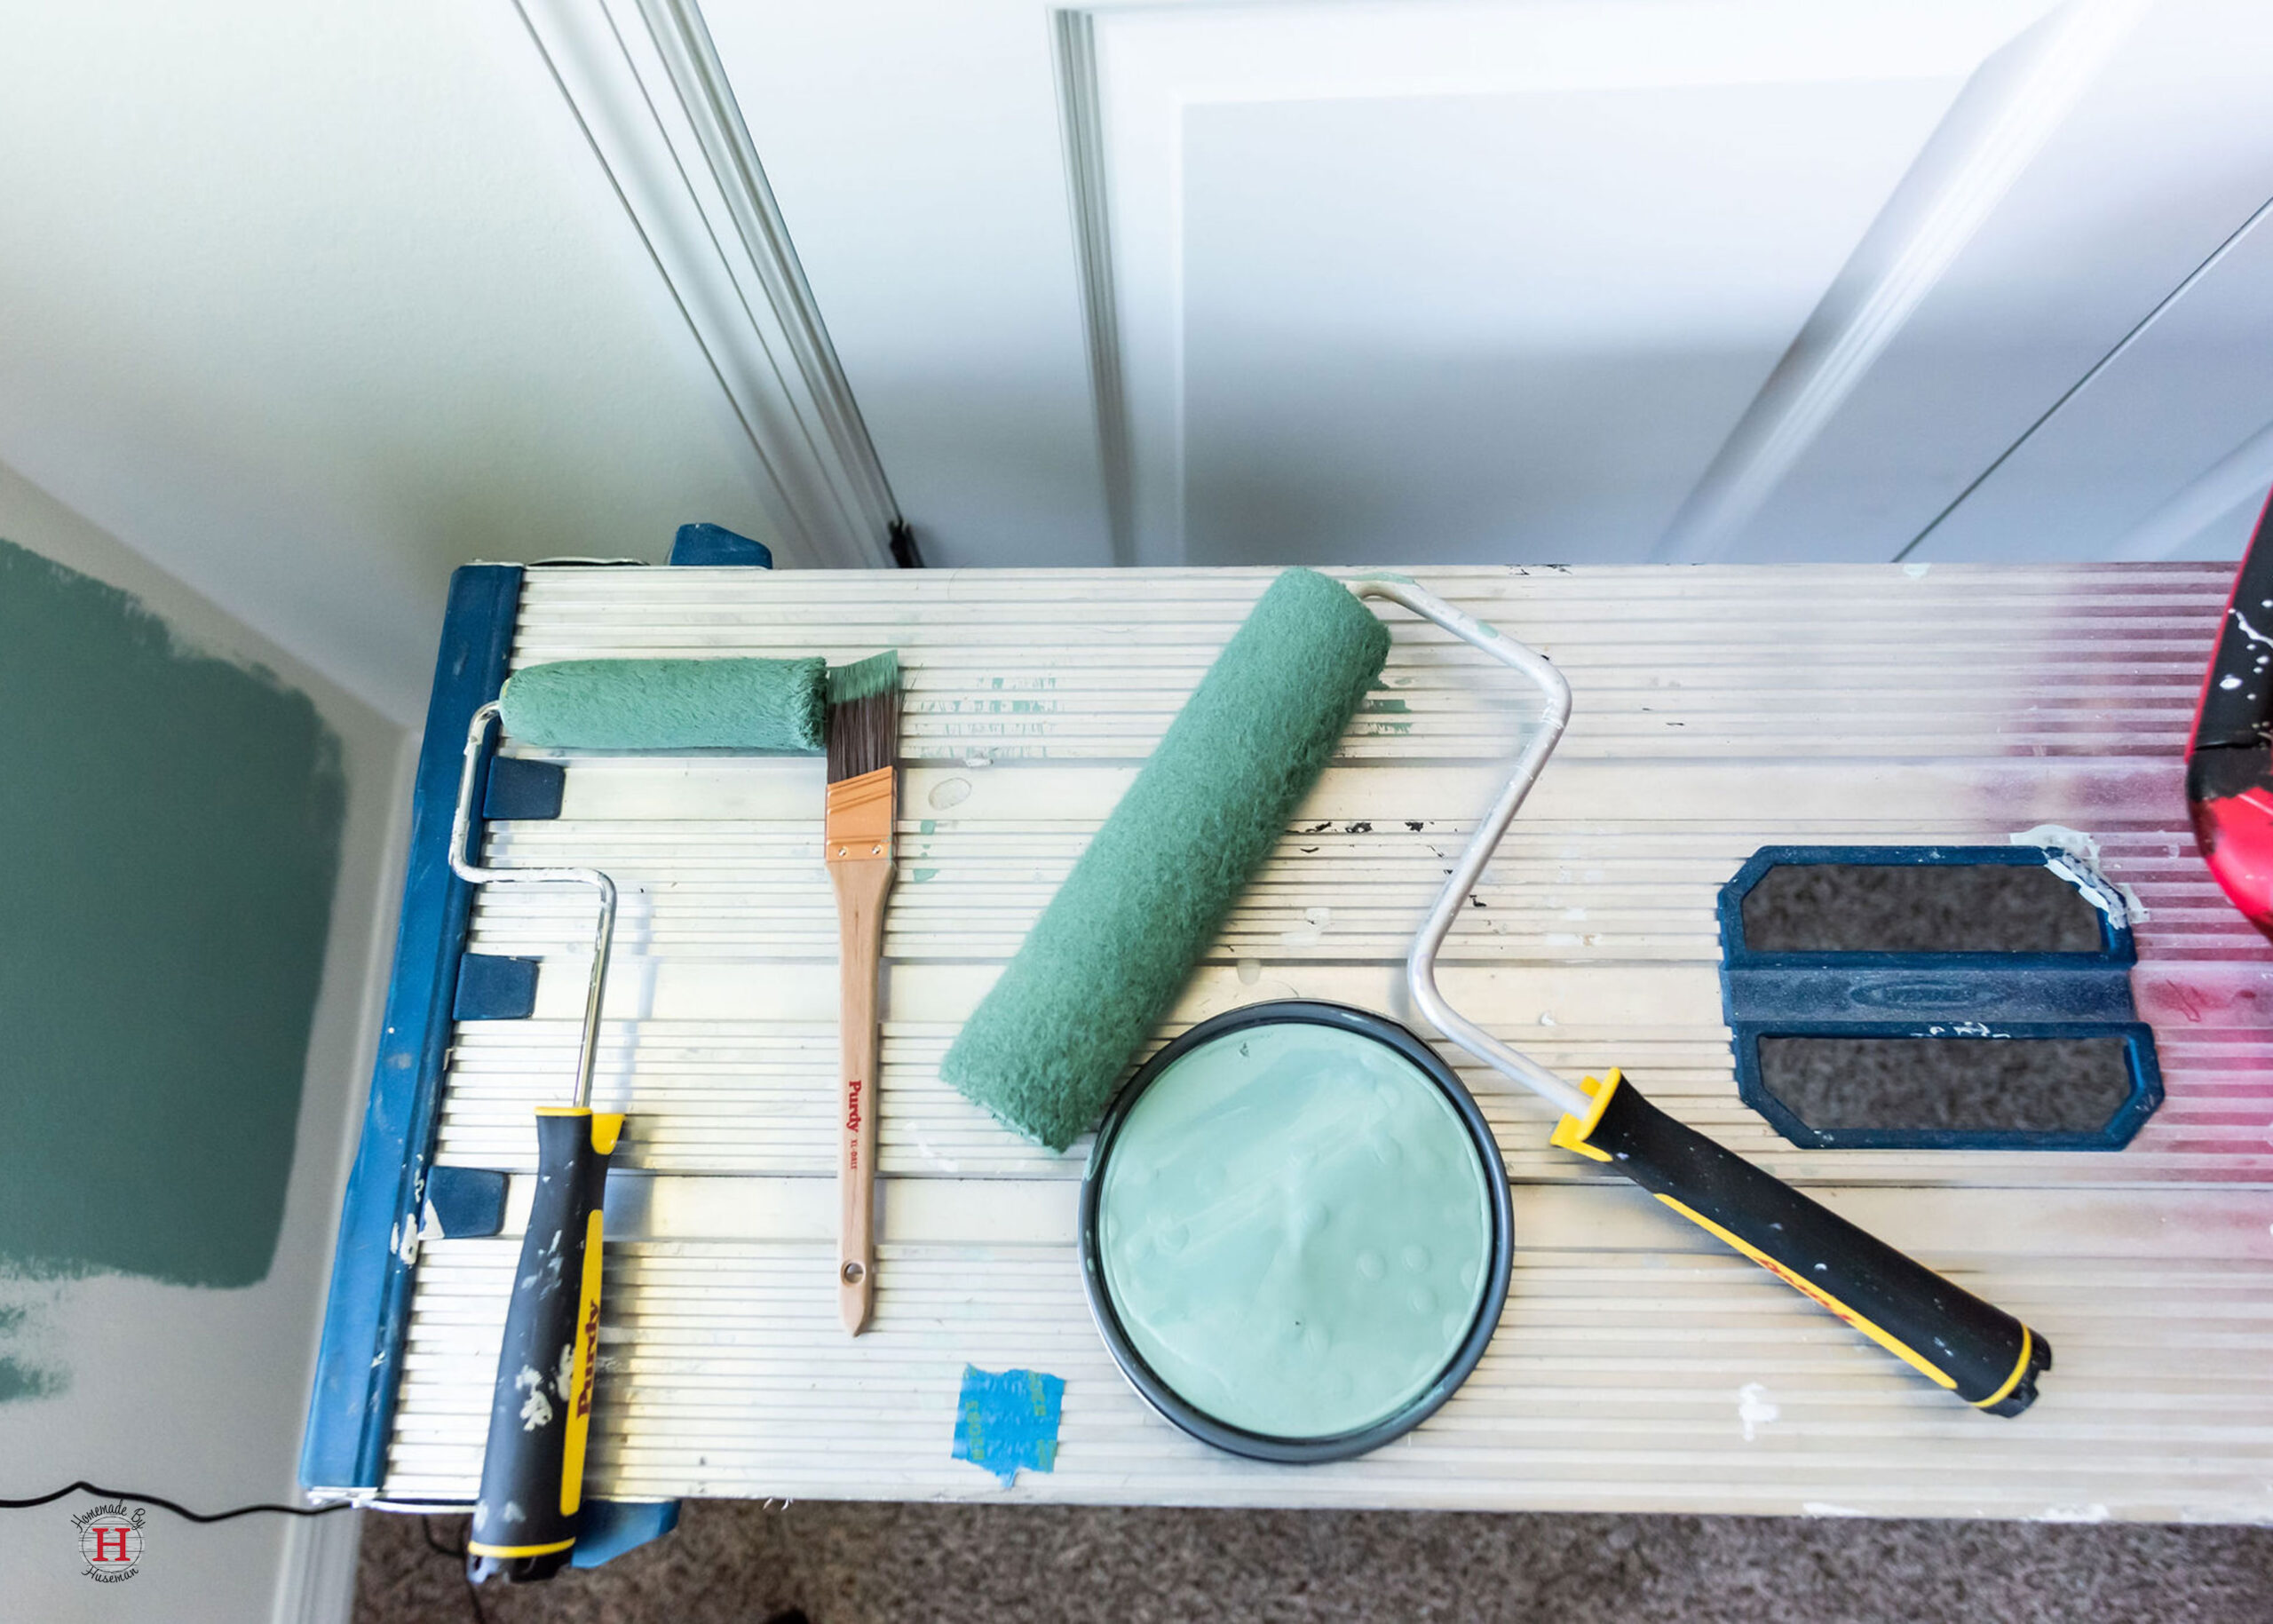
point(771, 705)
point(1050, 1040)
point(529, 1512)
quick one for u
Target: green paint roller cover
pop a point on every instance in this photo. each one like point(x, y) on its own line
point(669, 704)
point(1107, 957)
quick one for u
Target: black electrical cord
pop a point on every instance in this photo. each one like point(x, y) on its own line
point(457, 1554)
point(163, 1504)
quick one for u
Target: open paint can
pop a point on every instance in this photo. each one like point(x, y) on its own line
point(1295, 1231)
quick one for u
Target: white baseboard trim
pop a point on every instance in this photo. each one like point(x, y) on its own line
point(318, 1583)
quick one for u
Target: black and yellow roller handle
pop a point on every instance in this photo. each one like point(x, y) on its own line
point(525, 1523)
point(1976, 1349)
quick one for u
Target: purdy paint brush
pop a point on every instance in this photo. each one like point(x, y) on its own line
point(863, 741)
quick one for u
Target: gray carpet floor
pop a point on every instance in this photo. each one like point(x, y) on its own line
point(733, 1563)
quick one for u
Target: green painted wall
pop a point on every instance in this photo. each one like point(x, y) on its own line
point(170, 830)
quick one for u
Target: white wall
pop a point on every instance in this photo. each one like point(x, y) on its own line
point(310, 303)
point(199, 1395)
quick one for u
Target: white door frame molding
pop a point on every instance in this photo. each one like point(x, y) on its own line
point(1926, 226)
point(318, 1582)
point(2233, 479)
point(1074, 54)
point(645, 87)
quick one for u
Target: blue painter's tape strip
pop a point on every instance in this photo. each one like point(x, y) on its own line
point(465, 1203)
point(491, 988)
point(360, 1361)
point(715, 544)
point(526, 790)
point(1008, 1419)
point(613, 1526)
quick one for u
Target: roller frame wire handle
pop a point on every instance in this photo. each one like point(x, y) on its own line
point(1954, 1338)
point(530, 1510)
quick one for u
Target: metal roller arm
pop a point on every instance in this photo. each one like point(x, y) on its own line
point(477, 737)
point(1421, 961)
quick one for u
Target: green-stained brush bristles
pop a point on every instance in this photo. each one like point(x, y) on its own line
point(1100, 968)
point(863, 716)
point(668, 704)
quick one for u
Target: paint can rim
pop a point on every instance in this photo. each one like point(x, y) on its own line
point(1179, 1411)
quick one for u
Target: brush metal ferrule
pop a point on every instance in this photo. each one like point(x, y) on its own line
point(858, 827)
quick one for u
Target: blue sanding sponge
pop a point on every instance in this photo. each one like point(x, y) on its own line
point(1052, 1038)
point(669, 704)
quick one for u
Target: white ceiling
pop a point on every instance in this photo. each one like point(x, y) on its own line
point(310, 303)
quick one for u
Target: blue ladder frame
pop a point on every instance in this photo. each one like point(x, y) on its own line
point(366, 1316)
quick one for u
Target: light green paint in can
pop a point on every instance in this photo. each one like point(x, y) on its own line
point(1296, 1230)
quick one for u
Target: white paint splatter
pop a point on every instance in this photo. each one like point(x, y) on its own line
point(536, 1409)
point(562, 1376)
point(1311, 932)
point(1824, 1508)
point(2228, 683)
point(2250, 631)
point(430, 1222)
point(2094, 1513)
point(2060, 837)
point(1250, 971)
point(1916, 572)
point(1753, 1408)
point(945, 1164)
point(949, 792)
point(513, 1513)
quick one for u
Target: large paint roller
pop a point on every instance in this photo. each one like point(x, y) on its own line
point(1048, 1045)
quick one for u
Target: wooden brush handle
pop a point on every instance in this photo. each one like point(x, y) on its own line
point(861, 884)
